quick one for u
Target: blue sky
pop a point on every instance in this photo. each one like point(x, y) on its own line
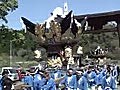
point(39, 10)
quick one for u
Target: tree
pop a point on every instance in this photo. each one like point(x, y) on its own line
point(6, 6)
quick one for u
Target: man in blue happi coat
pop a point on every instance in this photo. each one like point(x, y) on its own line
point(114, 72)
point(56, 74)
point(98, 79)
point(36, 80)
point(91, 78)
point(70, 80)
point(29, 80)
point(108, 82)
point(48, 82)
point(81, 80)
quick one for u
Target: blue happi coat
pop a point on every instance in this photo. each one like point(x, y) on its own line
point(82, 83)
point(98, 78)
point(104, 71)
point(29, 80)
point(91, 78)
point(114, 73)
point(50, 84)
point(56, 74)
point(72, 84)
point(36, 80)
point(0, 83)
point(111, 83)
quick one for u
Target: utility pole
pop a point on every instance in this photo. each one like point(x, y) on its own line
point(10, 52)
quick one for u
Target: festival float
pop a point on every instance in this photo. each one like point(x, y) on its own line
point(55, 39)
point(64, 32)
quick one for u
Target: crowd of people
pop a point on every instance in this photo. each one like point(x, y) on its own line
point(84, 78)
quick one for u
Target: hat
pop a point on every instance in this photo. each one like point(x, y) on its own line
point(79, 72)
point(41, 72)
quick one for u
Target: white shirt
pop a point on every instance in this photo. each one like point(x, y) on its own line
point(108, 80)
point(56, 75)
point(69, 79)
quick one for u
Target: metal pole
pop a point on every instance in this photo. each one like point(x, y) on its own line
point(119, 33)
point(10, 53)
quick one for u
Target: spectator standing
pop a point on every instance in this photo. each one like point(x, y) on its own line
point(6, 82)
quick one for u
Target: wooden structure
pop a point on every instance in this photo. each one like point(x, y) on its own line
point(96, 22)
point(58, 46)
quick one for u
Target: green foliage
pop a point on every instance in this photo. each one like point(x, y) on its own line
point(6, 6)
point(105, 40)
point(4, 59)
point(4, 46)
point(10, 36)
point(22, 44)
